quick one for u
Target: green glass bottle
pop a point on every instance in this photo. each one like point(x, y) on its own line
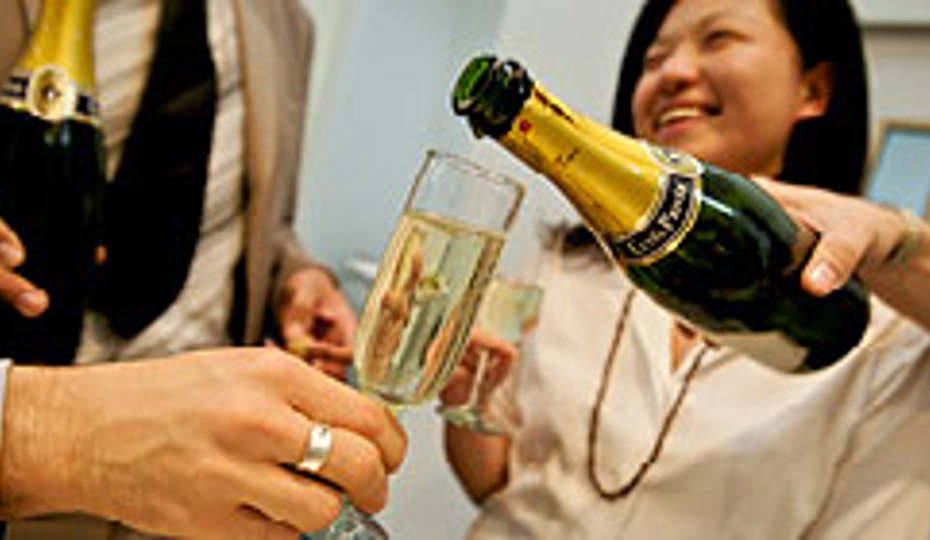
point(51, 178)
point(707, 244)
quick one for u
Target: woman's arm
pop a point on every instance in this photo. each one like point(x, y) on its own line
point(906, 285)
point(887, 248)
point(479, 460)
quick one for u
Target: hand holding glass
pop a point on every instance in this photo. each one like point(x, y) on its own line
point(508, 312)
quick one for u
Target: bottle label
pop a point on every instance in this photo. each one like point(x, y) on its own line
point(669, 222)
point(50, 94)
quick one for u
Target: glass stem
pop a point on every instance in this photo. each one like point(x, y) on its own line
point(475, 390)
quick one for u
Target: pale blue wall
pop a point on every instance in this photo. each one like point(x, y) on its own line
point(901, 174)
point(385, 100)
point(381, 99)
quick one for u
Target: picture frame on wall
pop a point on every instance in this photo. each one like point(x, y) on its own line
point(900, 170)
point(893, 14)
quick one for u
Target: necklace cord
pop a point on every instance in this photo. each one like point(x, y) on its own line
point(594, 425)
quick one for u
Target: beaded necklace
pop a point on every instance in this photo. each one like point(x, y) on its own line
point(594, 425)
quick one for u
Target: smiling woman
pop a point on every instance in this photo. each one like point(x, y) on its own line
point(816, 81)
point(649, 431)
point(709, 69)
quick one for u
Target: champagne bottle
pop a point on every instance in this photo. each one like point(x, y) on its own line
point(707, 244)
point(51, 178)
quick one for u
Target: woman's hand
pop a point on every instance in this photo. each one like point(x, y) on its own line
point(478, 459)
point(501, 357)
point(889, 251)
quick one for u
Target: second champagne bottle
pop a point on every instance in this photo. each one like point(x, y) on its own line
point(51, 179)
point(705, 243)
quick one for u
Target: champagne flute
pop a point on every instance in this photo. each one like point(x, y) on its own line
point(431, 279)
point(508, 312)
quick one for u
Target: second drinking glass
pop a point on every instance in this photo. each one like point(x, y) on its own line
point(509, 313)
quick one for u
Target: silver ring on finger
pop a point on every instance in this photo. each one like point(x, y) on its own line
point(318, 448)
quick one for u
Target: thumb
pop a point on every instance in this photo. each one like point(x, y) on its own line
point(831, 265)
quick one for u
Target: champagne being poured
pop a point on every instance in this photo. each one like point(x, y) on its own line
point(707, 244)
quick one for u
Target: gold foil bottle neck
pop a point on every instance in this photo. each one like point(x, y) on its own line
point(54, 79)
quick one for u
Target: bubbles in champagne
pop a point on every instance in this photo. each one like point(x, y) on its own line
point(421, 306)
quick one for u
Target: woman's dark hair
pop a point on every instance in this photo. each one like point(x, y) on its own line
point(828, 151)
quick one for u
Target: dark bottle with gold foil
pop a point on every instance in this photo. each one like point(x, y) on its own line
point(707, 244)
point(51, 178)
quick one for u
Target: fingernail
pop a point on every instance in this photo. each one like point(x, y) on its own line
point(823, 277)
point(10, 255)
point(32, 303)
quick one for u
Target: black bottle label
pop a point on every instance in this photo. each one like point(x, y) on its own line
point(671, 220)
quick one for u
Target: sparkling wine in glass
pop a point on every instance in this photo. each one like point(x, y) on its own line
point(430, 282)
point(508, 312)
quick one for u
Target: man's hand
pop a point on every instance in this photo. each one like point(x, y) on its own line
point(15, 289)
point(199, 445)
point(313, 310)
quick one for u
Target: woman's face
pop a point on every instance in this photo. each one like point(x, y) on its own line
point(723, 81)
